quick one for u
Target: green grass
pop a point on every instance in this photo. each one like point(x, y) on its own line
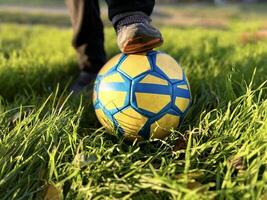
point(34, 18)
point(33, 2)
point(50, 142)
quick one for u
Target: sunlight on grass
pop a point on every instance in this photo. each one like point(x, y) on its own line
point(52, 141)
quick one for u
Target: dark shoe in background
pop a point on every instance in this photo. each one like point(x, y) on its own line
point(135, 33)
point(83, 82)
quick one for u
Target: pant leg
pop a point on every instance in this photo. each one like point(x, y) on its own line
point(120, 6)
point(88, 34)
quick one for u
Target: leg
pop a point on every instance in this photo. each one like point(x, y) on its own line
point(88, 38)
point(116, 7)
point(132, 23)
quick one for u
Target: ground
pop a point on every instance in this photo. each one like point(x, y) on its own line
point(51, 145)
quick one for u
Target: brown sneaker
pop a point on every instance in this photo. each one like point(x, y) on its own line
point(135, 33)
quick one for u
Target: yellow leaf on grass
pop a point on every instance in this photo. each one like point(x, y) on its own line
point(52, 193)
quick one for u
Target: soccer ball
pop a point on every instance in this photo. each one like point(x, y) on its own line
point(141, 96)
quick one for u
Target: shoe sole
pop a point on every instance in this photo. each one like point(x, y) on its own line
point(135, 46)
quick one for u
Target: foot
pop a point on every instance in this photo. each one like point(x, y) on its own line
point(82, 82)
point(135, 33)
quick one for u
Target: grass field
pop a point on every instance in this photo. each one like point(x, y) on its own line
point(33, 2)
point(51, 145)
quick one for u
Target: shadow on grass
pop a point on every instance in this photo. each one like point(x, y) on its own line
point(18, 83)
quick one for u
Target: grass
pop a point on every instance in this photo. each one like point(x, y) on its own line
point(34, 18)
point(51, 144)
point(33, 2)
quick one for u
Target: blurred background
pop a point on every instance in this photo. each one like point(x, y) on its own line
point(184, 13)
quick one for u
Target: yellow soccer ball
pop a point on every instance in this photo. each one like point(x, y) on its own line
point(141, 96)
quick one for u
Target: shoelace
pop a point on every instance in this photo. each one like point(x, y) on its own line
point(132, 19)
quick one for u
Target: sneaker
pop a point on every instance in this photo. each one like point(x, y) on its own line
point(82, 82)
point(135, 33)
